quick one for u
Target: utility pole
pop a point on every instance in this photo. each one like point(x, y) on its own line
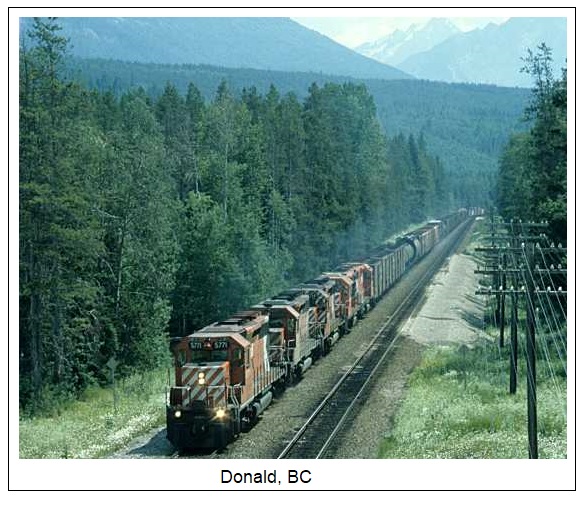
point(496, 275)
point(531, 359)
point(513, 328)
point(503, 299)
point(513, 343)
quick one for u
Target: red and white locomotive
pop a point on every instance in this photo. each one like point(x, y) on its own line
point(227, 372)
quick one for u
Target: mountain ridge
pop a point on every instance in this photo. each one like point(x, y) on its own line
point(492, 54)
point(262, 43)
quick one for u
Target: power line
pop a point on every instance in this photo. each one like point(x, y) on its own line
point(520, 247)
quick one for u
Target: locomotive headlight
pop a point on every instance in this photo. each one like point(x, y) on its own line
point(201, 379)
point(220, 413)
point(177, 414)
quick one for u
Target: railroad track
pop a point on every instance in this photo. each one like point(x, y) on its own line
point(316, 436)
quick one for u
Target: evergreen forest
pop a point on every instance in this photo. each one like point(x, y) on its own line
point(532, 178)
point(145, 217)
point(465, 125)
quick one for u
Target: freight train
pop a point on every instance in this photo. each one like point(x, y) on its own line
point(227, 372)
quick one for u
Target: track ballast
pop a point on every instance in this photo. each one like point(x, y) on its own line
point(316, 437)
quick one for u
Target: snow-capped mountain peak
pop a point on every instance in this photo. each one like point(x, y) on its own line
point(399, 45)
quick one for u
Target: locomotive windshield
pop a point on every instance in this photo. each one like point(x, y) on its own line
point(208, 356)
point(208, 351)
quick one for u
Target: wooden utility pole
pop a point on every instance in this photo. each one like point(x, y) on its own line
point(503, 299)
point(497, 274)
point(513, 343)
point(531, 359)
point(513, 326)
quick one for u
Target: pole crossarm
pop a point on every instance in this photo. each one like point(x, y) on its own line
point(497, 249)
point(516, 224)
point(549, 271)
point(508, 238)
point(520, 292)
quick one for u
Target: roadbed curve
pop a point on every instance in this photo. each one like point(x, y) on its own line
point(288, 412)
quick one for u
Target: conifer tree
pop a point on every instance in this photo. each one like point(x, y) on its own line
point(59, 237)
point(532, 180)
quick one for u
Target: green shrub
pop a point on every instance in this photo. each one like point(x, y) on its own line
point(91, 427)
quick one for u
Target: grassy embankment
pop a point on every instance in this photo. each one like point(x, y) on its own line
point(90, 427)
point(458, 405)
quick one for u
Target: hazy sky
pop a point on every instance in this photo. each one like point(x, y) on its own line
point(356, 30)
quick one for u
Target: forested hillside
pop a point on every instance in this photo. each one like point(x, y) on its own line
point(240, 42)
point(145, 216)
point(465, 125)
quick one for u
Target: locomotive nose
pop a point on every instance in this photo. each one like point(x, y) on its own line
point(200, 385)
point(207, 383)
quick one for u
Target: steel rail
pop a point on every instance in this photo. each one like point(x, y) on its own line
point(419, 285)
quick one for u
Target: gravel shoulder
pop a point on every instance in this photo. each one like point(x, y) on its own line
point(452, 313)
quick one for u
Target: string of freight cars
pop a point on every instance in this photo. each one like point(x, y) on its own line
point(226, 373)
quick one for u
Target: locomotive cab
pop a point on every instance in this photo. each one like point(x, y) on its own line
point(290, 312)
